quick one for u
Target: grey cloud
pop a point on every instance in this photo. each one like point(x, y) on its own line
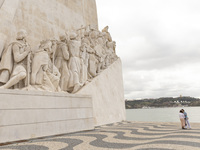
point(159, 44)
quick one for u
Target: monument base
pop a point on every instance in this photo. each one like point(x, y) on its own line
point(26, 115)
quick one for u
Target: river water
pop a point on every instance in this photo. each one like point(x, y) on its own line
point(162, 114)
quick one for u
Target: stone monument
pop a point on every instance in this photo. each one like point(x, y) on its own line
point(58, 72)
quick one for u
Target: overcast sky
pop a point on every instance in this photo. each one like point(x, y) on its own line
point(158, 42)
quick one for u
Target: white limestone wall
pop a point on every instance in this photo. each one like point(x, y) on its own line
point(25, 115)
point(43, 19)
point(7, 28)
point(108, 95)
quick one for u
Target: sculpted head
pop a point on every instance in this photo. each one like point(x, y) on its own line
point(86, 33)
point(93, 27)
point(73, 36)
point(21, 34)
point(46, 45)
point(63, 37)
point(83, 47)
point(53, 40)
point(105, 29)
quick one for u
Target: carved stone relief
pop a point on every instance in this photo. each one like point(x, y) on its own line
point(65, 65)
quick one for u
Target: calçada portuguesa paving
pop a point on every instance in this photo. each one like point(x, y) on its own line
point(124, 135)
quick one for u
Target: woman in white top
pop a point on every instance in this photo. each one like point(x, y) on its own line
point(181, 116)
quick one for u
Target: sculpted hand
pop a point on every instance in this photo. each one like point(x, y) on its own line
point(54, 42)
point(45, 67)
point(28, 49)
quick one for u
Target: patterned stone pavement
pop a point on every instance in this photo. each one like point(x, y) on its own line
point(123, 135)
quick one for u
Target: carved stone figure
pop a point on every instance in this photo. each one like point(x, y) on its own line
point(45, 75)
point(57, 66)
point(93, 34)
point(61, 62)
point(99, 56)
point(86, 39)
point(74, 63)
point(107, 34)
point(101, 52)
point(13, 67)
point(111, 51)
point(92, 61)
point(84, 64)
point(81, 32)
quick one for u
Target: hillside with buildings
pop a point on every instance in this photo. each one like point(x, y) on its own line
point(163, 102)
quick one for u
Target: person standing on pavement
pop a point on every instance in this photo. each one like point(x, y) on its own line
point(187, 124)
point(181, 116)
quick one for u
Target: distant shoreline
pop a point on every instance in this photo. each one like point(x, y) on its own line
point(163, 102)
point(163, 107)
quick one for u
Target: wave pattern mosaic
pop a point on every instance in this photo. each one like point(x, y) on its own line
point(125, 135)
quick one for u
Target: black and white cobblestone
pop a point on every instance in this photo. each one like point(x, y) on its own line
point(123, 135)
